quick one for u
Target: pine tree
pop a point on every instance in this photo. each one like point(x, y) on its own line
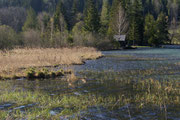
point(136, 22)
point(60, 20)
point(31, 20)
point(75, 7)
point(150, 30)
point(164, 6)
point(105, 16)
point(133, 34)
point(81, 5)
point(162, 28)
point(91, 20)
point(148, 7)
point(37, 5)
point(76, 15)
point(105, 12)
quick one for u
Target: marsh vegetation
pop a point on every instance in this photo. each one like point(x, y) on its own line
point(146, 87)
point(17, 62)
point(49, 67)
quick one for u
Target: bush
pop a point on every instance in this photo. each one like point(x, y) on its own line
point(32, 38)
point(41, 74)
point(60, 73)
point(8, 37)
point(70, 39)
point(60, 39)
point(30, 73)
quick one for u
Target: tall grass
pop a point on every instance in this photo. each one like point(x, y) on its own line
point(13, 61)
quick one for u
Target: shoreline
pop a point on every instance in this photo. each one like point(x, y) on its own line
point(18, 61)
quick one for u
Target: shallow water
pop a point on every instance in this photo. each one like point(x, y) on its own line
point(112, 76)
point(132, 59)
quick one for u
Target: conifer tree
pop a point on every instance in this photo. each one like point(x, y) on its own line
point(31, 20)
point(75, 7)
point(133, 34)
point(91, 20)
point(105, 12)
point(60, 20)
point(150, 30)
point(136, 22)
point(37, 5)
point(105, 16)
point(162, 28)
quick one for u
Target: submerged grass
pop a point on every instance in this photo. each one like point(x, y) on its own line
point(137, 93)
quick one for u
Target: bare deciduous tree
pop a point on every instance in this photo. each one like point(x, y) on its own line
point(32, 39)
point(13, 16)
point(121, 23)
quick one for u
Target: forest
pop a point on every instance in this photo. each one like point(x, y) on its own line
point(66, 23)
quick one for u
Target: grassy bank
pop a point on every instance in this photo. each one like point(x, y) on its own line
point(15, 62)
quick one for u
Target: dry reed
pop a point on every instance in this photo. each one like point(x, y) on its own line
point(13, 61)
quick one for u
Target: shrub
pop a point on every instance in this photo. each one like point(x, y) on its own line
point(70, 39)
point(60, 39)
point(32, 39)
point(60, 73)
point(8, 37)
point(45, 71)
point(30, 73)
point(41, 74)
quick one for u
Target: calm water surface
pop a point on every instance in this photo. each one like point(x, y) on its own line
point(132, 59)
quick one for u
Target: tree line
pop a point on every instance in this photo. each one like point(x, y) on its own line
point(61, 23)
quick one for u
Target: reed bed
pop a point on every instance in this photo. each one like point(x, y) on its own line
point(14, 61)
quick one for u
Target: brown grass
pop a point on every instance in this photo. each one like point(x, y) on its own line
point(12, 61)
